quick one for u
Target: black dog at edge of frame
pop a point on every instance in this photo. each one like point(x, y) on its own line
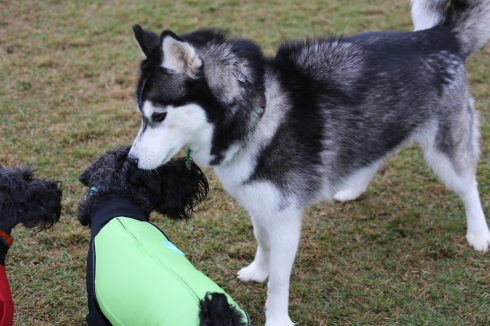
point(24, 199)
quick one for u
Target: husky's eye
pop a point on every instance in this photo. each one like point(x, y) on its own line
point(158, 117)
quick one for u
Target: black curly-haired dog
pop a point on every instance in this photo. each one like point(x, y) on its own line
point(24, 199)
point(172, 189)
point(135, 275)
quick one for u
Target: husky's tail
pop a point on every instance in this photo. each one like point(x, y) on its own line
point(469, 20)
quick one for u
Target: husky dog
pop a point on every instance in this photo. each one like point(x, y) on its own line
point(316, 121)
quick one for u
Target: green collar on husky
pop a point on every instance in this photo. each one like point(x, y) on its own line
point(188, 158)
point(260, 112)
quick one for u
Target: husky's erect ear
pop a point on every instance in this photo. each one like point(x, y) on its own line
point(178, 55)
point(147, 40)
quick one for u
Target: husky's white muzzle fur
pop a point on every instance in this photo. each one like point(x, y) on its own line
point(164, 131)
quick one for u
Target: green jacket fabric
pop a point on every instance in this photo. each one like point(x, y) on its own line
point(141, 278)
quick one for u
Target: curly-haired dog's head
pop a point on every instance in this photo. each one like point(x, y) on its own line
point(172, 189)
point(36, 203)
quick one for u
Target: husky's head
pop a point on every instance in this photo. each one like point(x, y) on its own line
point(196, 90)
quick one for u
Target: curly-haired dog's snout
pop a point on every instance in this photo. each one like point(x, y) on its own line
point(24, 199)
point(132, 160)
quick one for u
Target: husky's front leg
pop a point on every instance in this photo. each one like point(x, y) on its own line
point(258, 270)
point(278, 235)
point(284, 240)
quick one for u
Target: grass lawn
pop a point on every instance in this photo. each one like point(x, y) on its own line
point(396, 256)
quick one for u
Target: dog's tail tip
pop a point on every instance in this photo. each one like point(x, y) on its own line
point(427, 13)
point(215, 310)
point(467, 19)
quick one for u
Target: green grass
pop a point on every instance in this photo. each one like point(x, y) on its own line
point(396, 256)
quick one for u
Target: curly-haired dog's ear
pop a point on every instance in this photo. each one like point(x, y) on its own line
point(181, 189)
point(84, 178)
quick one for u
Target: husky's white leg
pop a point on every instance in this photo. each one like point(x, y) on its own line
point(277, 232)
point(258, 270)
point(456, 167)
point(357, 183)
point(477, 234)
point(284, 240)
point(465, 186)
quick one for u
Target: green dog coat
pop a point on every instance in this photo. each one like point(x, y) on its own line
point(139, 277)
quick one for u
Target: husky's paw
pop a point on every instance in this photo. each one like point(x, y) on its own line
point(253, 273)
point(282, 322)
point(276, 319)
point(346, 195)
point(480, 241)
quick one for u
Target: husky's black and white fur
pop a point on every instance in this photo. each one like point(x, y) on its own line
point(335, 108)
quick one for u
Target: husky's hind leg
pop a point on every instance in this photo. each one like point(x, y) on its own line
point(452, 150)
point(357, 183)
point(464, 184)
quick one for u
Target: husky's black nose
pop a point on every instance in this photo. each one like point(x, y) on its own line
point(133, 160)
